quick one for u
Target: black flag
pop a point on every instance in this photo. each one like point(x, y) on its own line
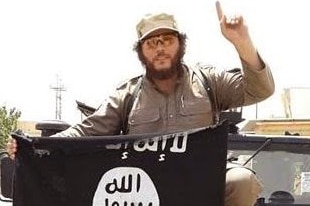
point(183, 169)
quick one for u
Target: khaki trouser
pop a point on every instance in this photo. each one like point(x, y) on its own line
point(242, 187)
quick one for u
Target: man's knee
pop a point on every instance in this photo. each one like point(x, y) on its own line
point(242, 187)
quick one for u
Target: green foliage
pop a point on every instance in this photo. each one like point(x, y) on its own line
point(8, 124)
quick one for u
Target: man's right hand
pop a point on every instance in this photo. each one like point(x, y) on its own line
point(11, 148)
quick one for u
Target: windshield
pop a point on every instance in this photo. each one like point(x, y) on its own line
point(279, 171)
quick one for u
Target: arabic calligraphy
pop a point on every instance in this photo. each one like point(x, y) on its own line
point(114, 187)
point(126, 186)
point(156, 144)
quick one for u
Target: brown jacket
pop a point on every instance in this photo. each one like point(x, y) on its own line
point(187, 108)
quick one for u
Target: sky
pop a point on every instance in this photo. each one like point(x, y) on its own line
point(87, 47)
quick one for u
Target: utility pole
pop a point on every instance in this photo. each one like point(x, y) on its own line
point(58, 88)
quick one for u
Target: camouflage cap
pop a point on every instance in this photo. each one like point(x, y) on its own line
point(153, 22)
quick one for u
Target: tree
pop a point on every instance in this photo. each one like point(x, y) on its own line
point(8, 124)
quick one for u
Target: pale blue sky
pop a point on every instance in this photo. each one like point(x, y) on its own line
point(88, 44)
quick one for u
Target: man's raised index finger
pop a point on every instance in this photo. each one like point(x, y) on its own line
point(219, 10)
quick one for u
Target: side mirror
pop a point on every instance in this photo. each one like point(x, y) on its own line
point(7, 167)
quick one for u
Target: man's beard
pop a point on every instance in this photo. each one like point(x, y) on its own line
point(163, 74)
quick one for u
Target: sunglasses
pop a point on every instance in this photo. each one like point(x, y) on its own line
point(166, 40)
